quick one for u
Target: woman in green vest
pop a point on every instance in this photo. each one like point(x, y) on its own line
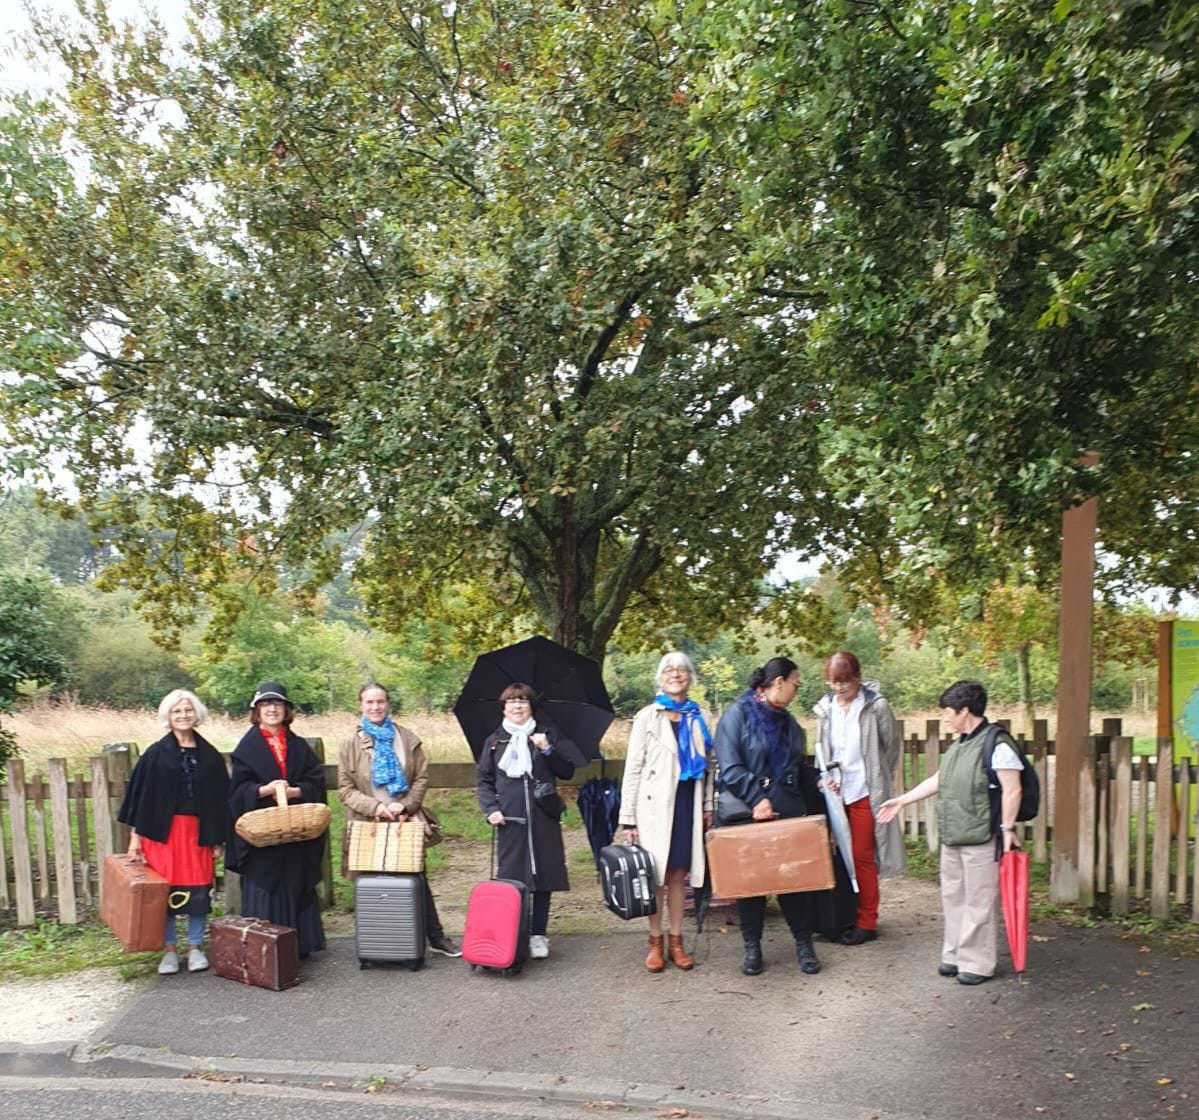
point(969, 854)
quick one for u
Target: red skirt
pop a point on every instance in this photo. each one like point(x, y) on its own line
point(181, 861)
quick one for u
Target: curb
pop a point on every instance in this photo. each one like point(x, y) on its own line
point(440, 1079)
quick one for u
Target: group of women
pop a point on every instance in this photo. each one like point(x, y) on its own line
point(181, 803)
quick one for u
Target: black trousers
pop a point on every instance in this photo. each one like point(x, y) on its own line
point(796, 908)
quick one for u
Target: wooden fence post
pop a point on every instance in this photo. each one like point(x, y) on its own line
point(64, 862)
point(118, 761)
point(932, 763)
point(1121, 822)
point(1142, 762)
point(101, 817)
point(85, 866)
point(1040, 763)
point(1163, 810)
point(18, 822)
point(1182, 840)
point(5, 897)
point(37, 791)
point(1085, 836)
point(325, 889)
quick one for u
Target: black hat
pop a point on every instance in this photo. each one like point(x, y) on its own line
point(269, 691)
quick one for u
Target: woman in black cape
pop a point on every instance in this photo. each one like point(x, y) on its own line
point(279, 882)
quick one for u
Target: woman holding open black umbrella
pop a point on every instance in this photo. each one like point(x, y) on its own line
point(516, 789)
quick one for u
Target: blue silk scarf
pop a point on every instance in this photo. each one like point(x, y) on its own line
point(386, 770)
point(692, 764)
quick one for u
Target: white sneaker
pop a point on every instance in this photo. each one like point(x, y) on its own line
point(196, 960)
point(539, 947)
point(169, 964)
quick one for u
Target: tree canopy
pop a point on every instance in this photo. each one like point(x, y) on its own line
point(585, 307)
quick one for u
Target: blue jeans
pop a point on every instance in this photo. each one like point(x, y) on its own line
point(195, 930)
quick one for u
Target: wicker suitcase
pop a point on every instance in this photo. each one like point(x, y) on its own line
point(386, 846)
point(133, 903)
point(389, 919)
point(255, 952)
point(771, 857)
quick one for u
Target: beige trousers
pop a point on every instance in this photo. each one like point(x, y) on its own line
point(970, 903)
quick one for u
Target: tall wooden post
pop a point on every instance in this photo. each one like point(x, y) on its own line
point(1073, 691)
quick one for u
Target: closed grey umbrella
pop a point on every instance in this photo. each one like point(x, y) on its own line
point(838, 820)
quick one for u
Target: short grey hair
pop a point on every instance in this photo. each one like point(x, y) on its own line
point(172, 698)
point(675, 660)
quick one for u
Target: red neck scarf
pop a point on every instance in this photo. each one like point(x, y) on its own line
point(276, 739)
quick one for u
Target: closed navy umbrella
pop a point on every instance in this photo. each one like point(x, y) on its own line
point(570, 693)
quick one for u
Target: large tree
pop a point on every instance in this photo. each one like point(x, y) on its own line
point(458, 268)
point(1002, 207)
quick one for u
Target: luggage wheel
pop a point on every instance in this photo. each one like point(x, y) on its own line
point(363, 964)
point(474, 968)
point(416, 965)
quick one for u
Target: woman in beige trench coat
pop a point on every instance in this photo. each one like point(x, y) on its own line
point(666, 800)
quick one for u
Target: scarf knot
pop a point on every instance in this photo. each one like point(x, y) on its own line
point(692, 763)
point(517, 759)
point(770, 724)
point(386, 771)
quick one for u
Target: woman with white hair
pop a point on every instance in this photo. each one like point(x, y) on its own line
point(666, 799)
point(176, 804)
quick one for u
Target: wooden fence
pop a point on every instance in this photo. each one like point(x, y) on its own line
point(1137, 833)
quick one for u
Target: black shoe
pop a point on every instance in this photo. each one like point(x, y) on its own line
point(751, 962)
point(858, 936)
point(947, 970)
point(972, 978)
point(445, 946)
point(806, 955)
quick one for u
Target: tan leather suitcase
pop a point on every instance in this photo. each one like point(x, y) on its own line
point(255, 952)
point(133, 903)
point(771, 857)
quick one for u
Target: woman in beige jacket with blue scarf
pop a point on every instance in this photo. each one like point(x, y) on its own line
point(666, 799)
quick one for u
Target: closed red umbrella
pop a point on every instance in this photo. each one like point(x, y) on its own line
point(1013, 891)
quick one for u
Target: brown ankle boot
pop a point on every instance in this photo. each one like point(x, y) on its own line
point(655, 962)
point(679, 956)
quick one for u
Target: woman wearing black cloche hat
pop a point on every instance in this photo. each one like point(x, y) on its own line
point(278, 883)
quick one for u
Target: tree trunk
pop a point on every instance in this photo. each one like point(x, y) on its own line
point(1024, 673)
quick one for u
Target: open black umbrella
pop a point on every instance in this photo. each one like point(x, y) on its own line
point(570, 693)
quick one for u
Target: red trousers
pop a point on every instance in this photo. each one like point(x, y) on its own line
point(865, 866)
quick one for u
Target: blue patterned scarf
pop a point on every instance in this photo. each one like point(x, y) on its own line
point(386, 770)
point(692, 764)
point(770, 724)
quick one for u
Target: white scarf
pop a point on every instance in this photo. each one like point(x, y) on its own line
point(517, 761)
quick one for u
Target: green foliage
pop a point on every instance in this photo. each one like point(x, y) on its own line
point(34, 623)
point(49, 949)
point(322, 664)
point(458, 271)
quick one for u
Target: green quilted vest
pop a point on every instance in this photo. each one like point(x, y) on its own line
point(963, 805)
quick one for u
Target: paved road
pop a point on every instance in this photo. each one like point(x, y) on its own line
point(1100, 1030)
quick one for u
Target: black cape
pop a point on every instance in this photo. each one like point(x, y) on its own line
point(153, 787)
point(293, 867)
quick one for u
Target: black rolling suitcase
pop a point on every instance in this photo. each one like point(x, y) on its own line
point(835, 912)
point(628, 880)
point(389, 919)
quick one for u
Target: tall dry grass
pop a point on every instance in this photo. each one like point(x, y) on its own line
point(76, 732)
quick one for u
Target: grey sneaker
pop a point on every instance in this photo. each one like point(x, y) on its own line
point(196, 960)
point(445, 946)
point(169, 964)
point(539, 947)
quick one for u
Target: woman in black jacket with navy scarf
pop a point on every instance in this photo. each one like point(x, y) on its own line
point(760, 751)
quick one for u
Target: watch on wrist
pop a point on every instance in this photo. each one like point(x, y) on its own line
point(1007, 828)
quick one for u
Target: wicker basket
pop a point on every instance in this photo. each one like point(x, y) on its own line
point(284, 823)
point(390, 846)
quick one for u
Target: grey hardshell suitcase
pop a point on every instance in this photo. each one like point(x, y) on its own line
point(389, 919)
point(629, 882)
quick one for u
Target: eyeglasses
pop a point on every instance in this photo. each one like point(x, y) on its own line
point(517, 704)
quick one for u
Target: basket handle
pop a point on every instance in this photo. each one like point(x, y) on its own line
point(281, 796)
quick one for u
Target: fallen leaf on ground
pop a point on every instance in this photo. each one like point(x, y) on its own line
point(1142, 1007)
point(675, 1113)
point(1165, 1081)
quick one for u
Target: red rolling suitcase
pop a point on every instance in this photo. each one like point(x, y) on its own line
point(497, 925)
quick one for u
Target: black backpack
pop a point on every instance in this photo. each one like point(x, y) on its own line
point(1030, 784)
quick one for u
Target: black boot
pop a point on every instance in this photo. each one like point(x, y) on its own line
point(751, 963)
point(806, 956)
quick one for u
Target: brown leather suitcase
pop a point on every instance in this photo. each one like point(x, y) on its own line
point(133, 903)
point(771, 857)
point(255, 952)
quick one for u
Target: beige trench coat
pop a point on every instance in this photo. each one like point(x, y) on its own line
point(357, 789)
point(651, 780)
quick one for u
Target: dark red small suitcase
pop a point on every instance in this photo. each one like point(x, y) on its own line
point(497, 925)
point(255, 952)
